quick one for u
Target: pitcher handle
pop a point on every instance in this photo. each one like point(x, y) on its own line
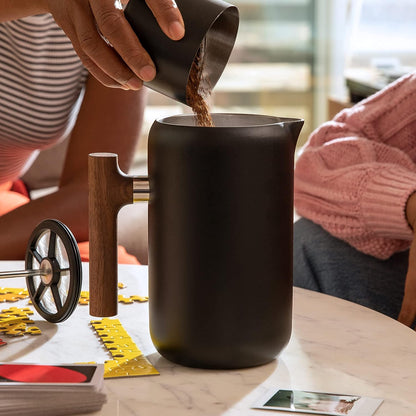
point(109, 190)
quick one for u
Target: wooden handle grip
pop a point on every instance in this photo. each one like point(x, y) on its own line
point(109, 190)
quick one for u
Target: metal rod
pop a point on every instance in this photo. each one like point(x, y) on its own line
point(22, 273)
point(141, 190)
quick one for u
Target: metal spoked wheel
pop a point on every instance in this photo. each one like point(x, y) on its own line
point(55, 289)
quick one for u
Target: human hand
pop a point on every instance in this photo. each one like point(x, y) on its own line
point(126, 64)
point(407, 314)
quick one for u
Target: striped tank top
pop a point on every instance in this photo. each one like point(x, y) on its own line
point(41, 81)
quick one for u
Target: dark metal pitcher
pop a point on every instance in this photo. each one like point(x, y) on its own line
point(214, 22)
point(220, 237)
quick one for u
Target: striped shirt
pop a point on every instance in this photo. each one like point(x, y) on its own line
point(41, 81)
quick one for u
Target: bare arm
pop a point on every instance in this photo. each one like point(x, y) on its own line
point(109, 121)
point(127, 64)
point(15, 9)
point(407, 314)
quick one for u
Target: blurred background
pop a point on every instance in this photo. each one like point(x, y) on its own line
point(292, 58)
point(307, 59)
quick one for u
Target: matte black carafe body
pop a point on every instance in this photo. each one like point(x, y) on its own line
point(220, 238)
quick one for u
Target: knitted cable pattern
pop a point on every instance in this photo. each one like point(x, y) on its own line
point(356, 172)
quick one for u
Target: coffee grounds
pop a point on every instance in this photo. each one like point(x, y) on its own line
point(195, 94)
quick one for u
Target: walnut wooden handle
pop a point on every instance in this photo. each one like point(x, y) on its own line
point(109, 190)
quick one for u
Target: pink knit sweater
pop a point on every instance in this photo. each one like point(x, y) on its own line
point(356, 172)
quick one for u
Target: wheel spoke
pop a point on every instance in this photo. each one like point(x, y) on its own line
point(40, 291)
point(36, 255)
point(52, 244)
point(56, 297)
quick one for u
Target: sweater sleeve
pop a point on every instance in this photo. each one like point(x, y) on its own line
point(356, 172)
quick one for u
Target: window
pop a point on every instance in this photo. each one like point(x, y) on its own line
point(384, 31)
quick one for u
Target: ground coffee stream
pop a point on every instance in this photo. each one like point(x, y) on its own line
point(196, 91)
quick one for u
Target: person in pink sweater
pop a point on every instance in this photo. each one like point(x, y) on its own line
point(355, 184)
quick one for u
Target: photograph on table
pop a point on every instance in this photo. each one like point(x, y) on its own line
point(299, 401)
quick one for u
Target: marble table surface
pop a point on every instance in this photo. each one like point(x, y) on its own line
point(336, 346)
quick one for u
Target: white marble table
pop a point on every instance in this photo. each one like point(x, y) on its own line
point(336, 346)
